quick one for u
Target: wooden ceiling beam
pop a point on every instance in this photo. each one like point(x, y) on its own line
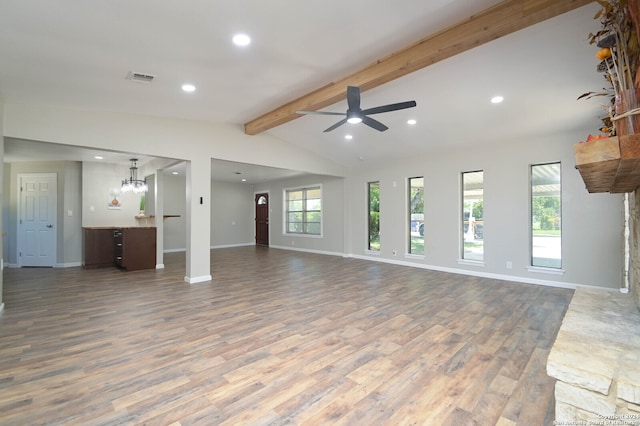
point(500, 20)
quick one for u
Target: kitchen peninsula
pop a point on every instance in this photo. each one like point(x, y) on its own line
point(129, 248)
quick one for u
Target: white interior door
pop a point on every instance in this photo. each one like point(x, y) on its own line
point(37, 219)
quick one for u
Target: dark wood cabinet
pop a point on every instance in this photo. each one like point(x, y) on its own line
point(135, 248)
point(128, 248)
point(99, 247)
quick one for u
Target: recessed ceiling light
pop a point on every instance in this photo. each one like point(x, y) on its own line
point(97, 157)
point(188, 87)
point(497, 99)
point(241, 40)
point(412, 121)
point(175, 173)
point(348, 137)
point(244, 180)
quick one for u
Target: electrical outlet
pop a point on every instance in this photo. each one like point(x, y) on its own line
point(395, 253)
point(509, 264)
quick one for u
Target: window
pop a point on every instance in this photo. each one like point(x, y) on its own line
point(472, 216)
point(304, 211)
point(546, 223)
point(416, 215)
point(374, 216)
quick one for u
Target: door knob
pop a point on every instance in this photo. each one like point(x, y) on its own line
point(49, 226)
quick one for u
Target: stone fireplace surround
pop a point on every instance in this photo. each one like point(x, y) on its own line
point(596, 355)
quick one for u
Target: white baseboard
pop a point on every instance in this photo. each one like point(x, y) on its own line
point(328, 253)
point(178, 250)
point(174, 250)
point(232, 246)
point(57, 265)
point(68, 265)
point(196, 280)
point(475, 273)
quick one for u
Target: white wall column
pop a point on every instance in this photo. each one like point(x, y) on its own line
point(198, 220)
point(1, 198)
point(158, 192)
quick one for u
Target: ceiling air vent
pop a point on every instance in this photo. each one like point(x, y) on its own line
point(141, 77)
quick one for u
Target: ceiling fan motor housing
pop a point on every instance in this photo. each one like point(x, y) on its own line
point(356, 115)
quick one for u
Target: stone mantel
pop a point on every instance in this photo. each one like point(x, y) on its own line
point(596, 359)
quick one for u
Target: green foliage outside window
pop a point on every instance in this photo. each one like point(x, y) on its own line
point(374, 216)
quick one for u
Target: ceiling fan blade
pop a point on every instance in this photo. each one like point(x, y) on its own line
point(338, 124)
point(353, 98)
point(390, 107)
point(374, 123)
point(320, 112)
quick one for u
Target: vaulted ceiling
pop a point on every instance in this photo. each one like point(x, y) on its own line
point(79, 54)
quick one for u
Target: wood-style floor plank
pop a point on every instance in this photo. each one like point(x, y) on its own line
point(278, 337)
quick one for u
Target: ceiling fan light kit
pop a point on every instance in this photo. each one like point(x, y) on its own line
point(356, 115)
point(354, 118)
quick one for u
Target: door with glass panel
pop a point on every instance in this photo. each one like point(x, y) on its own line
point(262, 219)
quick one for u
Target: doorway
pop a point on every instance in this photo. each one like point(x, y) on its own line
point(37, 219)
point(262, 219)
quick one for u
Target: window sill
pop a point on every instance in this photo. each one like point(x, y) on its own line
point(543, 270)
point(303, 235)
point(479, 263)
point(372, 253)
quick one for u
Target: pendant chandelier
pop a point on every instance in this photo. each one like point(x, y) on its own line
point(133, 184)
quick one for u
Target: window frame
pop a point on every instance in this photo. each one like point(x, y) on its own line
point(461, 229)
point(410, 219)
point(369, 249)
point(304, 211)
point(542, 268)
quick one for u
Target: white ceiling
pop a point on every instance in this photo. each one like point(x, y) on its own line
point(78, 54)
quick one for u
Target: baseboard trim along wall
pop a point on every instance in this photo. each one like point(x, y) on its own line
point(328, 253)
point(511, 278)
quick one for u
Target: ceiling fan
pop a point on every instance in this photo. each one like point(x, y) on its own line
point(355, 114)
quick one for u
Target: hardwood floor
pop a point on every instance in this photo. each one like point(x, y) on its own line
point(277, 337)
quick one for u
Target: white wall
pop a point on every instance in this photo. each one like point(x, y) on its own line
point(99, 182)
point(71, 248)
point(232, 214)
point(2, 201)
point(333, 227)
point(591, 223)
point(174, 203)
point(156, 136)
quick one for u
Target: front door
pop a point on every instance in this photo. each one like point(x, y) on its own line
point(262, 219)
point(37, 219)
